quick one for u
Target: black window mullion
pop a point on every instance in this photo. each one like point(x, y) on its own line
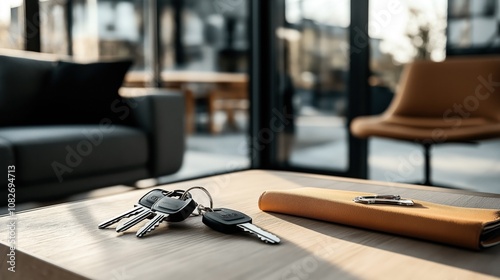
point(358, 97)
point(69, 25)
point(263, 82)
point(32, 25)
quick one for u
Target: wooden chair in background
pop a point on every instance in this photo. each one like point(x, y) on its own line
point(228, 98)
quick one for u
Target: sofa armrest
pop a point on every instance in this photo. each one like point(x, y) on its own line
point(160, 113)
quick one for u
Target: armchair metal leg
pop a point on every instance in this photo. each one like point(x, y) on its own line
point(427, 163)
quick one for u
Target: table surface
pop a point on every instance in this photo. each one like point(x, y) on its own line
point(63, 242)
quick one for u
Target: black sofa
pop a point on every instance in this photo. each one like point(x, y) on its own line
point(64, 129)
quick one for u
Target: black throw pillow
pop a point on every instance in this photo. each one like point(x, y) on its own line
point(22, 80)
point(82, 93)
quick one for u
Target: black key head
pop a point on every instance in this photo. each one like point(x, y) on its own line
point(177, 209)
point(152, 197)
point(225, 220)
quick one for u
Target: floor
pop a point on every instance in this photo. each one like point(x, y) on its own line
point(466, 166)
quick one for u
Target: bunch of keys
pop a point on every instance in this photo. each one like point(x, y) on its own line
point(160, 205)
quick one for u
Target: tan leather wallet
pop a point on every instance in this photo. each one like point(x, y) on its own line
point(465, 227)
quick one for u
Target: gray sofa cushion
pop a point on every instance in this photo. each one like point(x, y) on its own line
point(57, 153)
point(22, 80)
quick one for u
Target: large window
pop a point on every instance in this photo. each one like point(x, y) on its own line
point(104, 29)
point(12, 24)
point(208, 35)
point(473, 27)
point(53, 27)
point(208, 40)
point(180, 38)
point(314, 67)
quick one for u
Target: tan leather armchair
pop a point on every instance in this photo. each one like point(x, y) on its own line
point(457, 100)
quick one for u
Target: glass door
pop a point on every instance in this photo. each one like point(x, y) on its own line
point(315, 71)
point(317, 82)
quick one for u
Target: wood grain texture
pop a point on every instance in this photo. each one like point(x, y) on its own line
point(63, 242)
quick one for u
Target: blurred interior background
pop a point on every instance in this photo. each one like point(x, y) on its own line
point(210, 40)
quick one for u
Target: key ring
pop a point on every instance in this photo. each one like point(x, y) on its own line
point(180, 193)
point(200, 206)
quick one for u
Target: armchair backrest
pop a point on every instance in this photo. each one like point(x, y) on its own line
point(465, 87)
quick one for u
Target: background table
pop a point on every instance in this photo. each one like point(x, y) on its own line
point(63, 242)
point(228, 92)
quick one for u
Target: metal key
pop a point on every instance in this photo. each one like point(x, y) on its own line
point(230, 221)
point(143, 205)
point(147, 212)
point(384, 199)
point(177, 209)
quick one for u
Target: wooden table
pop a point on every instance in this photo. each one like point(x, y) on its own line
point(228, 92)
point(63, 242)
